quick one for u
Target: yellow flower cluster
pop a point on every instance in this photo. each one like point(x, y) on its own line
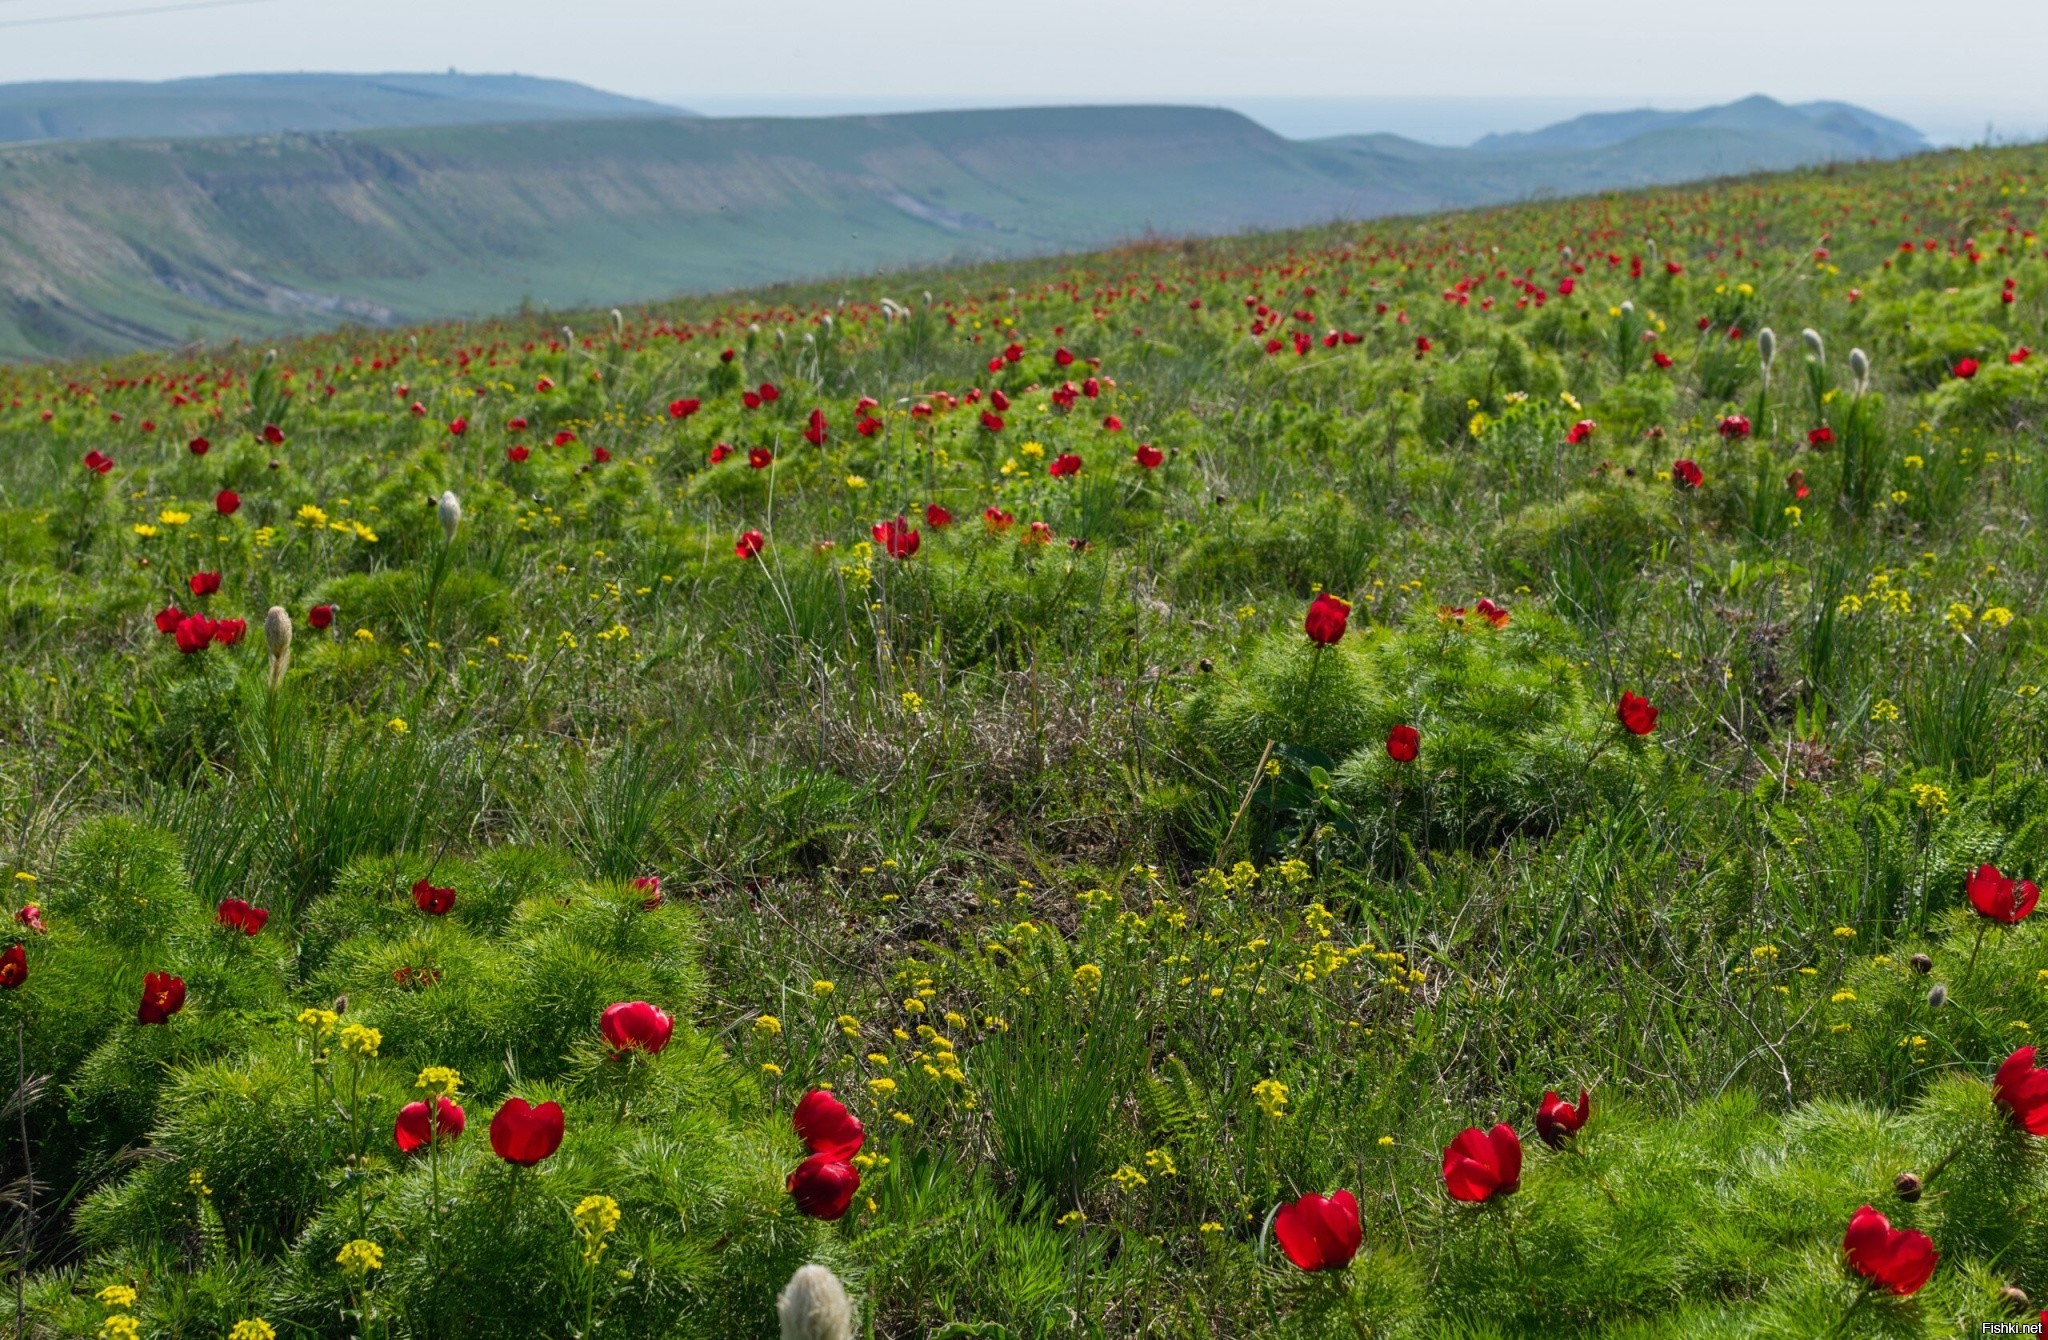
point(441, 1079)
point(359, 1257)
point(361, 1041)
point(1271, 1097)
point(596, 1218)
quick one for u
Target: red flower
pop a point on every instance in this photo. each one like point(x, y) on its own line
point(417, 1124)
point(1796, 481)
point(1037, 535)
point(1686, 474)
point(432, 901)
point(524, 1134)
point(1820, 437)
point(162, 996)
point(236, 914)
point(683, 409)
point(457, 427)
point(1062, 357)
point(999, 402)
point(760, 458)
point(1636, 714)
point(896, 537)
point(1966, 368)
point(1064, 465)
point(227, 632)
point(168, 619)
point(564, 438)
point(720, 451)
point(98, 462)
point(997, 520)
point(1661, 359)
point(769, 393)
point(823, 1186)
point(2019, 355)
point(992, 422)
point(544, 385)
point(417, 410)
point(750, 544)
point(1112, 424)
point(634, 1025)
point(599, 455)
point(868, 426)
point(2022, 1091)
point(1480, 1165)
point(227, 502)
point(1148, 456)
point(1993, 895)
point(1320, 1232)
point(651, 886)
point(1422, 345)
point(1582, 431)
point(13, 966)
point(203, 583)
point(750, 399)
point(31, 916)
point(1013, 353)
point(273, 434)
point(517, 455)
point(320, 616)
point(825, 1126)
point(1735, 425)
point(194, 633)
point(1326, 620)
point(937, 517)
point(1497, 615)
point(1558, 1121)
point(815, 432)
point(1404, 743)
point(517, 423)
point(199, 446)
point(1898, 1259)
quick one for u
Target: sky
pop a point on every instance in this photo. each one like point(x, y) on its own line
point(1441, 71)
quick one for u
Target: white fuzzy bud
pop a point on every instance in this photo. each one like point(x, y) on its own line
point(1859, 368)
point(814, 1306)
point(450, 508)
point(1815, 349)
point(1767, 347)
point(277, 636)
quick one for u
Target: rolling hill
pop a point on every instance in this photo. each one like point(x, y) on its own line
point(270, 104)
point(124, 243)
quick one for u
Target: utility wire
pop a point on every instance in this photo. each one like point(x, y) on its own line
point(124, 13)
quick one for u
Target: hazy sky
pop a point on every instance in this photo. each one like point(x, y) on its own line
point(1966, 63)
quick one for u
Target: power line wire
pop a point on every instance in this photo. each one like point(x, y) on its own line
point(124, 13)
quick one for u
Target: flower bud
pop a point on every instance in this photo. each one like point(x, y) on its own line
point(814, 1306)
point(1767, 347)
point(1937, 995)
point(1815, 350)
point(1908, 1186)
point(2016, 1298)
point(277, 636)
point(1628, 308)
point(1921, 963)
point(618, 323)
point(450, 508)
point(1859, 368)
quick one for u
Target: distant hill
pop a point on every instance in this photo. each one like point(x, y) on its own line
point(124, 243)
point(1837, 127)
point(270, 104)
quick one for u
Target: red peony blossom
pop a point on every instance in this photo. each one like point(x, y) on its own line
point(227, 632)
point(1661, 359)
point(770, 393)
point(194, 633)
point(418, 1124)
point(433, 901)
point(2022, 1091)
point(564, 438)
point(1065, 465)
point(997, 520)
point(1112, 424)
point(1820, 437)
point(523, 1134)
point(543, 385)
point(823, 1186)
point(1636, 714)
point(634, 1025)
point(13, 966)
point(937, 517)
point(1999, 897)
point(98, 462)
point(650, 885)
point(991, 422)
point(1148, 456)
point(1734, 426)
point(517, 455)
point(1686, 474)
point(760, 458)
point(826, 1127)
point(1966, 368)
point(721, 450)
point(235, 914)
point(2019, 355)
point(203, 583)
point(998, 402)
point(816, 431)
point(600, 455)
point(1037, 535)
point(227, 502)
point(162, 996)
point(1404, 743)
point(517, 423)
point(1062, 357)
point(750, 544)
point(1497, 615)
point(1558, 1121)
point(31, 916)
point(457, 427)
point(1326, 620)
point(1796, 482)
point(320, 616)
point(1480, 1165)
point(896, 537)
point(1898, 1259)
point(1320, 1232)
point(684, 408)
point(199, 446)
point(273, 434)
point(168, 618)
point(1582, 431)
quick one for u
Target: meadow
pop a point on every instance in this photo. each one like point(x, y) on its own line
point(1470, 777)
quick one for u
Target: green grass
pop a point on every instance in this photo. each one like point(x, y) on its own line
point(1061, 854)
